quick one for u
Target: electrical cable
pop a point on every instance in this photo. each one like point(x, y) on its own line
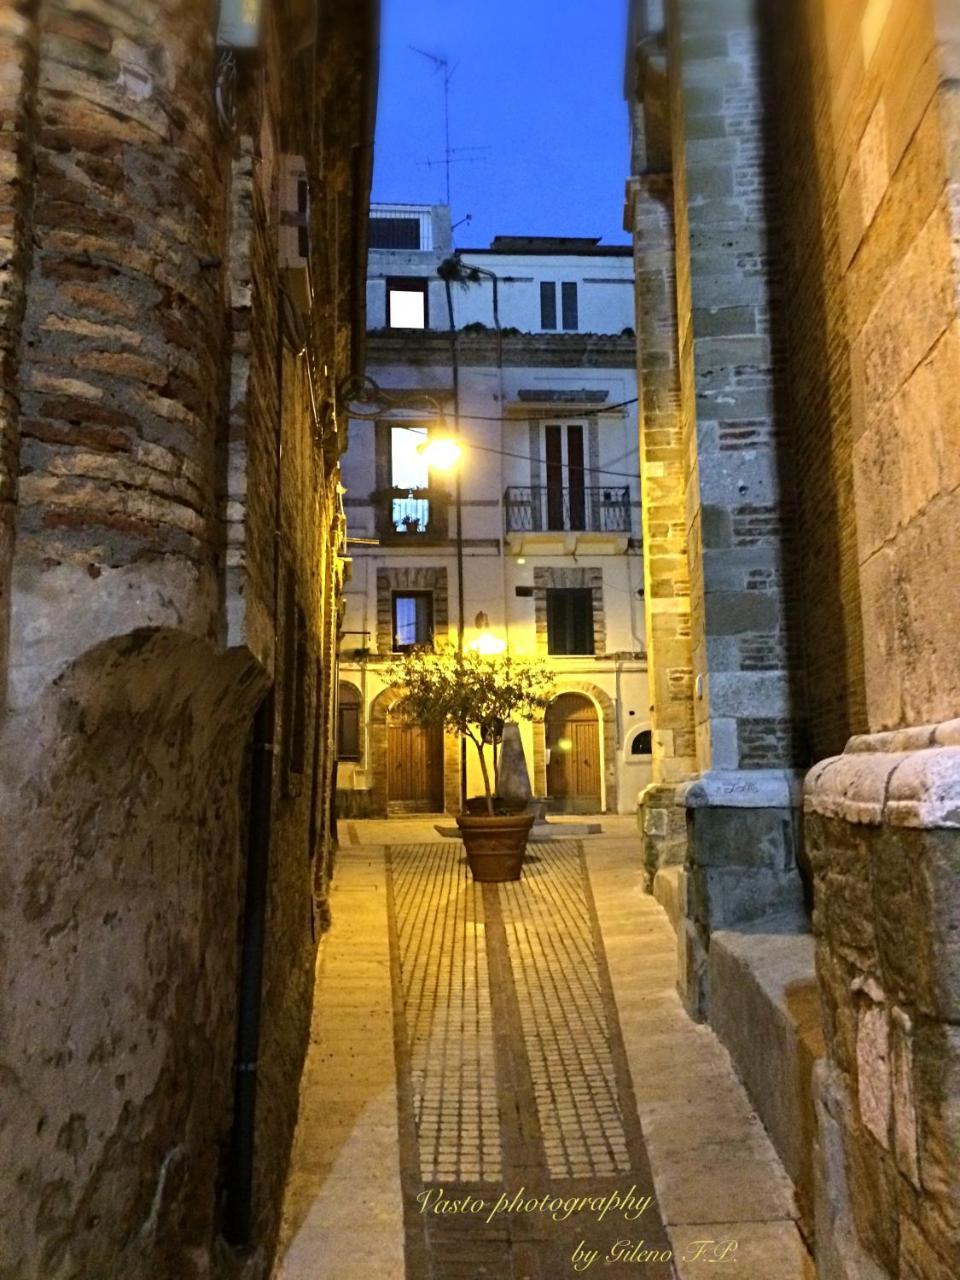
point(524, 457)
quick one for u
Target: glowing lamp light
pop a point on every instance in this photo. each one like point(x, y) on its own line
point(564, 744)
point(486, 644)
point(442, 453)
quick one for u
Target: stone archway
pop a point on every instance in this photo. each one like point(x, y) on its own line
point(608, 740)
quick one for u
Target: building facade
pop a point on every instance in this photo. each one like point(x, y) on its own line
point(182, 290)
point(528, 348)
point(793, 206)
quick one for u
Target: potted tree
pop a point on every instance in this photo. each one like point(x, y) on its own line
point(475, 696)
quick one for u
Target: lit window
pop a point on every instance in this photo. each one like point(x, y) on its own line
point(407, 304)
point(409, 470)
point(412, 620)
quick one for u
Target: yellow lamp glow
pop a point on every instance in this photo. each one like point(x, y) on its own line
point(486, 643)
point(442, 452)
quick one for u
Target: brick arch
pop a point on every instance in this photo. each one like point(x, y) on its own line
point(378, 717)
point(607, 713)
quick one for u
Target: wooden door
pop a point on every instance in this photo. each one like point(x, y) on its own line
point(414, 769)
point(573, 739)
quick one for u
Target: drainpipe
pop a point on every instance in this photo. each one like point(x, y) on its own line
point(239, 1197)
point(454, 357)
point(238, 1204)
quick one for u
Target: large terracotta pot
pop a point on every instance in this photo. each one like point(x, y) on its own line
point(495, 846)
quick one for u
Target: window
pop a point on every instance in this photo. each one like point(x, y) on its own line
point(642, 745)
point(303, 217)
point(569, 620)
point(409, 470)
point(412, 620)
point(395, 233)
point(348, 723)
point(568, 292)
point(548, 305)
point(407, 303)
point(566, 502)
point(568, 305)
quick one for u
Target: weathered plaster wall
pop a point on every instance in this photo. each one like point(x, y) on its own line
point(122, 888)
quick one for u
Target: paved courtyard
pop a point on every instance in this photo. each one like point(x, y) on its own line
point(502, 1082)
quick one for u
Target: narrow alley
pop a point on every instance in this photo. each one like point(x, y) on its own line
point(513, 1089)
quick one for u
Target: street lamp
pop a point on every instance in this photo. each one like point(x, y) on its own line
point(441, 452)
point(486, 643)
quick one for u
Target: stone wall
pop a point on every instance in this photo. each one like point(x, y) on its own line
point(739, 484)
point(172, 547)
point(891, 108)
point(883, 835)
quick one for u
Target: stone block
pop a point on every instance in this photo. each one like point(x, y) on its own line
point(765, 1007)
point(724, 837)
point(726, 897)
point(734, 612)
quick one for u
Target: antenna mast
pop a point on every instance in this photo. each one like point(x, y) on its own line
point(442, 64)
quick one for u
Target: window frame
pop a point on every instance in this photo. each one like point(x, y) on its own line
point(552, 598)
point(408, 284)
point(415, 593)
point(354, 704)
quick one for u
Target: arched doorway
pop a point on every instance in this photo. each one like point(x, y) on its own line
point(414, 768)
point(574, 769)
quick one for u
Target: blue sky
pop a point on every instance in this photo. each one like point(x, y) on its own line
point(538, 83)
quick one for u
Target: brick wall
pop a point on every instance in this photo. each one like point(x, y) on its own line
point(178, 535)
point(820, 379)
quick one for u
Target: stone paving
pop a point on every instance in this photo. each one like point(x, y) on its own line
point(521, 1046)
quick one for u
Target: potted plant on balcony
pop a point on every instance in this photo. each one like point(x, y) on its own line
point(475, 696)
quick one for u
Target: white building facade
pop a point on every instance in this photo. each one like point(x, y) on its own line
point(538, 374)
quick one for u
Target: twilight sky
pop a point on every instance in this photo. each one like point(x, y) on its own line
point(539, 83)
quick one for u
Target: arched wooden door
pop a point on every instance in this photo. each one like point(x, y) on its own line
point(414, 769)
point(573, 741)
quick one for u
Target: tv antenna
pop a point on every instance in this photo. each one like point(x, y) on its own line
point(451, 155)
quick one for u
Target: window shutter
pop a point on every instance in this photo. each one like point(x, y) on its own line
point(548, 304)
point(568, 292)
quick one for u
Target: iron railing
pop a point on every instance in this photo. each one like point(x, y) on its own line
point(412, 513)
point(593, 509)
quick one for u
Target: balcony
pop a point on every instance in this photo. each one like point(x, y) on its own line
point(411, 515)
point(560, 521)
point(544, 509)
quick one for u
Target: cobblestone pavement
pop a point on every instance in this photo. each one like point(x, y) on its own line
point(516, 1083)
point(517, 1076)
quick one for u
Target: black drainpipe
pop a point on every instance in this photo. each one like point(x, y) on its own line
point(238, 1202)
point(239, 1192)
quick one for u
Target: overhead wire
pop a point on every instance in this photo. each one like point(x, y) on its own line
point(554, 417)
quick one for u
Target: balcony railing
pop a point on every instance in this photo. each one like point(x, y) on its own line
point(573, 510)
point(411, 513)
